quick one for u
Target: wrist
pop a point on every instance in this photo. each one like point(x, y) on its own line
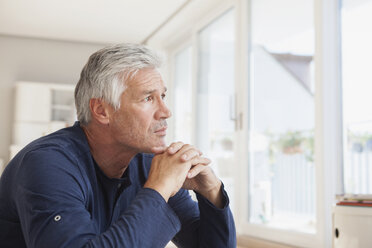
point(214, 194)
point(162, 190)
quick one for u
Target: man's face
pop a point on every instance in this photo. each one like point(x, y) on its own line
point(140, 123)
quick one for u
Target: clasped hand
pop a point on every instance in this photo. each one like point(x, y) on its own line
point(182, 165)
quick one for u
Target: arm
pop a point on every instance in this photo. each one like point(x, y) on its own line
point(211, 223)
point(148, 222)
point(203, 224)
point(51, 186)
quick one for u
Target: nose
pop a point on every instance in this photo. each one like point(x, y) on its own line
point(163, 111)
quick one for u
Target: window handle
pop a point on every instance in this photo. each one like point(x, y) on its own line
point(237, 118)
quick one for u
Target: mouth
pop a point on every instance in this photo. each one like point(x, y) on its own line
point(162, 131)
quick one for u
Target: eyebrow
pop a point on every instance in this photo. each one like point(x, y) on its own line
point(148, 92)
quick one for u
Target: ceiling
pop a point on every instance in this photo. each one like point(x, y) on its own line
point(96, 21)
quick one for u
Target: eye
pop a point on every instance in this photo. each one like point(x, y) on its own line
point(148, 99)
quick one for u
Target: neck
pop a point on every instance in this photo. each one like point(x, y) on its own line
point(112, 158)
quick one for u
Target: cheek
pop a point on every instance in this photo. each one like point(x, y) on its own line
point(134, 120)
point(143, 120)
point(122, 123)
point(145, 124)
point(138, 123)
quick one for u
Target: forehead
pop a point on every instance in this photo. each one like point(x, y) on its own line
point(146, 79)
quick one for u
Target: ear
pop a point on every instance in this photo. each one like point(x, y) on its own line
point(100, 111)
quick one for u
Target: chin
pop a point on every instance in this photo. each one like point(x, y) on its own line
point(148, 148)
point(162, 142)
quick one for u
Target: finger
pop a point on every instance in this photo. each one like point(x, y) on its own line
point(175, 147)
point(200, 160)
point(196, 170)
point(190, 154)
point(158, 149)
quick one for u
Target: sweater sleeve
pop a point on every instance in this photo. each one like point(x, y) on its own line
point(51, 203)
point(203, 224)
point(148, 222)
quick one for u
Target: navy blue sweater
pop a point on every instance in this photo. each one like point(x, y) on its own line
point(53, 194)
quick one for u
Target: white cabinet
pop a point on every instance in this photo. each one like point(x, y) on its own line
point(352, 227)
point(31, 101)
point(40, 108)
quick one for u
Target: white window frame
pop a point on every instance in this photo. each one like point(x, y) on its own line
point(328, 115)
point(328, 131)
point(328, 109)
point(171, 54)
point(217, 11)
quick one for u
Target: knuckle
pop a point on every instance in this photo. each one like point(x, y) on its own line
point(187, 146)
point(191, 152)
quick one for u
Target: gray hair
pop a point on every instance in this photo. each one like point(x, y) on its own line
point(105, 75)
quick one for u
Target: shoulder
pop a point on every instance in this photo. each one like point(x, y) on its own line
point(71, 140)
point(59, 158)
point(68, 145)
point(46, 165)
point(52, 173)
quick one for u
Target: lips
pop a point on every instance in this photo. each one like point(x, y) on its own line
point(162, 131)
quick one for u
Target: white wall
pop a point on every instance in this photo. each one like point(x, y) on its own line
point(35, 60)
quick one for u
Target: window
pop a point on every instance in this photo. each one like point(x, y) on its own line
point(216, 96)
point(357, 101)
point(267, 48)
point(282, 173)
point(183, 96)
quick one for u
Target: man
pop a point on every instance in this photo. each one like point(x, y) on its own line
point(110, 181)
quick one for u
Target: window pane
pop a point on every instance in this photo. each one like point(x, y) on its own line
point(282, 183)
point(357, 100)
point(183, 96)
point(216, 91)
